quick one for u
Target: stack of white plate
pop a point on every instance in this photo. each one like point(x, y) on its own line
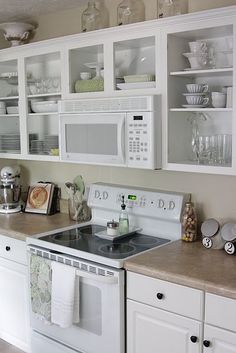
point(10, 143)
point(37, 147)
point(50, 142)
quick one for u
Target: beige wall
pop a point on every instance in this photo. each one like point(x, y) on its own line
point(215, 195)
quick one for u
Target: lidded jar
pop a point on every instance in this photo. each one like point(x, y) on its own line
point(168, 8)
point(130, 11)
point(189, 223)
point(211, 234)
point(91, 18)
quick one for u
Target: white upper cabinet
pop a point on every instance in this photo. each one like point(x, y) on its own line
point(198, 109)
point(182, 58)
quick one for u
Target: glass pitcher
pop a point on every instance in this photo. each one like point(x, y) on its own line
point(168, 8)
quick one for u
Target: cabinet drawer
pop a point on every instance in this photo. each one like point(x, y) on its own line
point(220, 311)
point(13, 249)
point(165, 295)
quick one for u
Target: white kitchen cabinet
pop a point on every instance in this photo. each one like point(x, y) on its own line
point(157, 324)
point(14, 315)
point(217, 340)
point(199, 138)
point(157, 331)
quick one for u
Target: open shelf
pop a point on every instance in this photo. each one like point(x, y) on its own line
point(201, 109)
point(206, 72)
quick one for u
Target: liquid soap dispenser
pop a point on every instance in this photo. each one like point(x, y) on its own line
point(123, 218)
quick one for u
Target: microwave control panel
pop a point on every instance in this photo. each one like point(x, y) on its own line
point(140, 148)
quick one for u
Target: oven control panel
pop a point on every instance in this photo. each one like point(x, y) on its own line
point(140, 202)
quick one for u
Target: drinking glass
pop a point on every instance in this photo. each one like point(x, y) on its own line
point(224, 148)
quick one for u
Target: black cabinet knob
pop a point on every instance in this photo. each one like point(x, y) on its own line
point(206, 343)
point(193, 339)
point(160, 296)
point(8, 248)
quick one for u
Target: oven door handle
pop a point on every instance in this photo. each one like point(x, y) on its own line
point(98, 278)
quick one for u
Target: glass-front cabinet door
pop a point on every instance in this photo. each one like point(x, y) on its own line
point(43, 91)
point(199, 98)
point(86, 69)
point(9, 108)
point(135, 64)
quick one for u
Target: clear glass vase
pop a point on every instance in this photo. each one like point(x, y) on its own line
point(168, 8)
point(130, 11)
point(91, 18)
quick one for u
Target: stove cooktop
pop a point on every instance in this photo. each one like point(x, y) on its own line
point(83, 239)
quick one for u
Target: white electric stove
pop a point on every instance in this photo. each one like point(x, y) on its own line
point(99, 263)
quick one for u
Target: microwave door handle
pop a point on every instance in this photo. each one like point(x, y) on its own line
point(98, 278)
point(121, 139)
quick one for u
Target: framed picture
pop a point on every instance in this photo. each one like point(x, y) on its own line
point(39, 198)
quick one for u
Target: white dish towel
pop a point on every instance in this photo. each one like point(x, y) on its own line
point(65, 295)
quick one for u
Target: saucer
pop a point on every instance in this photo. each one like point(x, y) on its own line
point(195, 94)
point(194, 105)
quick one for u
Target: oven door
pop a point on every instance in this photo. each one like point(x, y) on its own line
point(101, 326)
point(93, 138)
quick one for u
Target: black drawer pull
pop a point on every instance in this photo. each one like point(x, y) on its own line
point(8, 248)
point(160, 296)
point(206, 343)
point(193, 339)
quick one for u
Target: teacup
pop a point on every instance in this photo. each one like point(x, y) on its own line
point(218, 99)
point(197, 87)
point(197, 100)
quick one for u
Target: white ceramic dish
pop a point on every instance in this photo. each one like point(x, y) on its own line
point(136, 85)
point(103, 234)
point(12, 110)
point(16, 32)
point(44, 106)
point(139, 78)
point(195, 94)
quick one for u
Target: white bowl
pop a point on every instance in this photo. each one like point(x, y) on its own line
point(85, 75)
point(16, 32)
point(44, 107)
point(12, 110)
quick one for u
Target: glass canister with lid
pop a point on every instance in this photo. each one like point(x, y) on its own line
point(211, 234)
point(130, 11)
point(189, 223)
point(91, 17)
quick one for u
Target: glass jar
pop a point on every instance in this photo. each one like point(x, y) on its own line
point(168, 8)
point(189, 223)
point(91, 18)
point(130, 11)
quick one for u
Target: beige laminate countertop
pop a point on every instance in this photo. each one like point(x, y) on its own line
point(22, 225)
point(189, 264)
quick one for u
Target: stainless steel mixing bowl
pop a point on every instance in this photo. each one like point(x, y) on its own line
point(10, 194)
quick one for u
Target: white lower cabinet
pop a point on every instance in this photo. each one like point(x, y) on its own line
point(156, 322)
point(217, 340)
point(151, 330)
point(14, 317)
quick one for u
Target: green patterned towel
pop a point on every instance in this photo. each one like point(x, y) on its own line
point(40, 286)
point(94, 85)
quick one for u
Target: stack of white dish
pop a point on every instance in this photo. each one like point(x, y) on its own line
point(50, 142)
point(44, 106)
point(10, 143)
point(37, 147)
point(196, 95)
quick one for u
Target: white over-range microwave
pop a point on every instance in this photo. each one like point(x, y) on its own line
point(112, 131)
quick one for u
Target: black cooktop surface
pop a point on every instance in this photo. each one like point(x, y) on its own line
point(84, 239)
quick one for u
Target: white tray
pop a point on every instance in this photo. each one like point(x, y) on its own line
point(103, 234)
point(135, 85)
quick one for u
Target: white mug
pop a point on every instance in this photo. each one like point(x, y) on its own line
point(218, 99)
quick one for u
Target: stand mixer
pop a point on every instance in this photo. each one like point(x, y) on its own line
point(10, 190)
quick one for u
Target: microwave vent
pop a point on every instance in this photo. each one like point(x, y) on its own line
point(129, 104)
